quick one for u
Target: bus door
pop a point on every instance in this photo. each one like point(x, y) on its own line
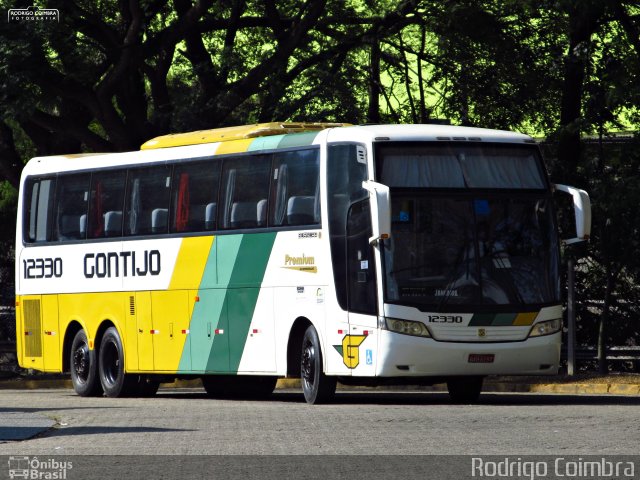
point(361, 286)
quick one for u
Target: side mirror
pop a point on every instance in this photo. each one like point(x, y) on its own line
point(380, 199)
point(582, 209)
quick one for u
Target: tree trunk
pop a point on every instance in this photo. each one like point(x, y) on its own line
point(603, 367)
point(584, 18)
point(373, 113)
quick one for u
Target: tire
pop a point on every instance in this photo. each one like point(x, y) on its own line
point(111, 367)
point(239, 386)
point(316, 386)
point(84, 367)
point(465, 389)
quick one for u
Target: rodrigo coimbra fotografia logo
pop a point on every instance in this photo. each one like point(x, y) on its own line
point(41, 469)
point(33, 14)
point(559, 467)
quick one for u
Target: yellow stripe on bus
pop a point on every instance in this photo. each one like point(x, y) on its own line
point(524, 319)
point(234, 146)
point(191, 263)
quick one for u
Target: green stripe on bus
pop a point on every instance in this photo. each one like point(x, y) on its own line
point(265, 143)
point(229, 308)
point(252, 261)
point(504, 319)
point(481, 320)
point(297, 140)
point(493, 319)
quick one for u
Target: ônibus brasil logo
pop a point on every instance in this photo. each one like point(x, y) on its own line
point(33, 468)
point(33, 14)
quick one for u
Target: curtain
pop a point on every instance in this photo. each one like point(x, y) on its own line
point(136, 207)
point(97, 217)
point(486, 169)
point(412, 170)
point(182, 213)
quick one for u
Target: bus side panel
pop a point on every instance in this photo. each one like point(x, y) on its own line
point(19, 332)
point(131, 333)
point(209, 332)
point(170, 312)
point(255, 351)
point(52, 337)
point(30, 330)
point(241, 270)
point(145, 336)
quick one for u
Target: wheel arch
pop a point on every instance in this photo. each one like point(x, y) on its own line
point(103, 327)
point(294, 345)
point(73, 328)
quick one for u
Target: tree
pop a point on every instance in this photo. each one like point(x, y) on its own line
point(109, 76)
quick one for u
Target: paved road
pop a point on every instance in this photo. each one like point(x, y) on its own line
point(185, 421)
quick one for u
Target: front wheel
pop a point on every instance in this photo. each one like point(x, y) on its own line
point(111, 366)
point(84, 367)
point(316, 386)
point(465, 389)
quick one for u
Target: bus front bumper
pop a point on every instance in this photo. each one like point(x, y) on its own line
point(404, 355)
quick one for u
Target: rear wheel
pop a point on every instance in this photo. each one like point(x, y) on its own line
point(239, 386)
point(465, 389)
point(316, 386)
point(84, 367)
point(115, 382)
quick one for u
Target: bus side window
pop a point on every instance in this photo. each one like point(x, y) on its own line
point(245, 183)
point(105, 204)
point(194, 196)
point(72, 199)
point(38, 207)
point(147, 200)
point(361, 266)
point(296, 188)
point(345, 174)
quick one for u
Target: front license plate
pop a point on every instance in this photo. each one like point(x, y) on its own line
point(481, 357)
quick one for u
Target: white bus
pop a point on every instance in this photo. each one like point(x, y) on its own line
point(367, 254)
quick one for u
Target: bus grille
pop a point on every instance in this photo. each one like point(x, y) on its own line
point(32, 328)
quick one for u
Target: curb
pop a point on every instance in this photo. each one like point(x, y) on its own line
point(626, 389)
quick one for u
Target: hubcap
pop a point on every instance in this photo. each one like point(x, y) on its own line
point(308, 363)
point(111, 363)
point(81, 362)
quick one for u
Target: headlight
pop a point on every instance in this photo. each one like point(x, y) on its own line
point(546, 328)
point(408, 327)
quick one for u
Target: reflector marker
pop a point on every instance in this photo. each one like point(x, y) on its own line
point(154, 332)
point(186, 332)
point(340, 332)
point(49, 332)
point(27, 333)
point(255, 330)
point(218, 331)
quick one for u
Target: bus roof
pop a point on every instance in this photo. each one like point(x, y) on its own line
point(235, 133)
point(425, 132)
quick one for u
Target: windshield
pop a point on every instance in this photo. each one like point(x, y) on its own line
point(471, 226)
